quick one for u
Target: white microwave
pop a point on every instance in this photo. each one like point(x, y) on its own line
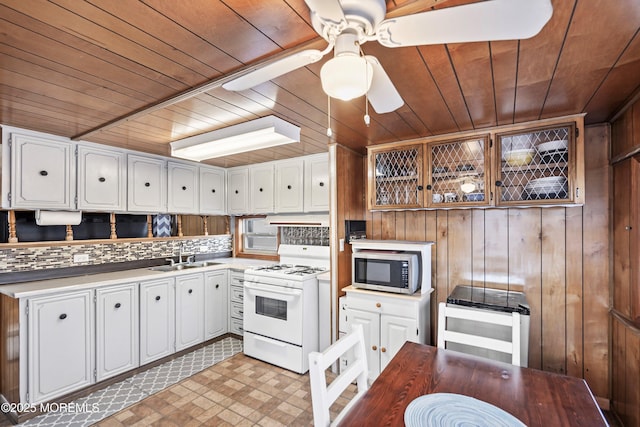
point(387, 271)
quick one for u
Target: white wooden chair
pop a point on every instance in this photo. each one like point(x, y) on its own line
point(323, 395)
point(445, 335)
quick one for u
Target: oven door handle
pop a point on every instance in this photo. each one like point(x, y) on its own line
point(291, 293)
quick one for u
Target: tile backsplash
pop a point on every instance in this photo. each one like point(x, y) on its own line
point(20, 259)
point(311, 236)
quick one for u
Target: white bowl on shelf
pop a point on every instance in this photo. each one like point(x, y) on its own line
point(521, 157)
point(558, 145)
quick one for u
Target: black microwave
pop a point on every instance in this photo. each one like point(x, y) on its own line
point(388, 271)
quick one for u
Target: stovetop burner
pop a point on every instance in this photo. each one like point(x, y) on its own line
point(290, 270)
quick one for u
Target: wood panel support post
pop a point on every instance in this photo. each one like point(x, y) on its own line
point(179, 225)
point(12, 227)
point(112, 223)
point(69, 235)
point(149, 226)
point(205, 224)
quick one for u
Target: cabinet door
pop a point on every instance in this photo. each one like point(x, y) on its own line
point(216, 301)
point(147, 184)
point(157, 319)
point(42, 173)
point(289, 189)
point(394, 332)
point(61, 343)
point(117, 342)
point(371, 325)
point(189, 310)
point(316, 183)
point(238, 191)
point(182, 189)
point(101, 179)
point(395, 180)
point(261, 188)
point(212, 191)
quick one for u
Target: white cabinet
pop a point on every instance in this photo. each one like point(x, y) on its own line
point(236, 303)
point(61, 344)
point(117, 341)
point(316, 183)
point(388, 320)
point(157, 319)
point(42, 173)
point(238, 191)
point(101, 179)
point(213, 194)
point(261, 188)
point(147, 184)
point(289, 187)
point(189, 310)
point(182, 188)
point(215, 304)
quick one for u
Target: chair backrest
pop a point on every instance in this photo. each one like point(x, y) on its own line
point(512, 320)
point(323, 395)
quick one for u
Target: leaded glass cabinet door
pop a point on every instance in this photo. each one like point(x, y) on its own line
point(459, 173)
point(395, 178)
point(536, 166)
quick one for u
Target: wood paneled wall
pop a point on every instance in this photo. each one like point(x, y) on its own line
point(626, 371)
point(193, 225)
point(558, 256)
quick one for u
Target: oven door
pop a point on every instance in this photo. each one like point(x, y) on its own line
point(273, 311)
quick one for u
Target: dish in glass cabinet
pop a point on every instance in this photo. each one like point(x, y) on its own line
point(473, 197)
point(452, 410)
point(465, 168)
point(440, 169)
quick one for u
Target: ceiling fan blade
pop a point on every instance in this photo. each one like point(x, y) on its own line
point(274, 69)
point(328, 11)
point(483, 21)
point(382, 94)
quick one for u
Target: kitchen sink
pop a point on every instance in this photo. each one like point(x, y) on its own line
point(184, 266)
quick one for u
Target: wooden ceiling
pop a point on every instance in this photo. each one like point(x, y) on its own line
point(139, 74)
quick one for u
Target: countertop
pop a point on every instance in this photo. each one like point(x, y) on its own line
point(43, 287)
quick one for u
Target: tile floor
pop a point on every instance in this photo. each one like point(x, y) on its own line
point(214, 386)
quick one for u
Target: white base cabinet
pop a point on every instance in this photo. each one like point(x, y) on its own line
point(189, 310)
point(215, 304)
point(157, 319)
point(61, 344)
point(389, 320)
point(117, 338)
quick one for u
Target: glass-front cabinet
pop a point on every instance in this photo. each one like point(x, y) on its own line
point(459, 172)
point(536, 166)
point(396, 174)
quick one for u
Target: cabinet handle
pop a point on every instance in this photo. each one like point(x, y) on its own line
point(420, 187)
point(118, 305)
point(190, 291)
point(102, 179)
point(429, 187)
point(378, 305)
point(321, 184)
point(44, 173)
point(158, 298)
point(288, 187)
point(498, 183)
point(382, 349)
point(374, 348)
point(240, 312)
point(184, 188)
point(213, 190)
point(147, 184)
point(63, 316)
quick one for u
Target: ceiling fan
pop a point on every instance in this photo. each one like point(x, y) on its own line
point(347, 24)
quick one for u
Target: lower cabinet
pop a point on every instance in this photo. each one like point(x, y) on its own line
point(61, 344)
point(215, 304)
point(236, 303)
point(189, 310)
point(157, 319)
point(388, 320)
point(117, 339)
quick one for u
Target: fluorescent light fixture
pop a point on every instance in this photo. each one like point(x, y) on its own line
point(264, 132)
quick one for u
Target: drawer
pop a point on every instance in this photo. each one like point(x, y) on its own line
point(236, 309)
point(383, 304)
point(235, 326)
point(236, 294)
point(237, 279)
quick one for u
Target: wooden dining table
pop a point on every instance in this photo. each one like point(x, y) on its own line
point(537, 398)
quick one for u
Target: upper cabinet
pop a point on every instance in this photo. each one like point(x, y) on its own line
point(213, 191)
point(316, 183)
point(147, 184)
point(289, 187)
point(261, 188)
point(182, 188)
point(102, 177)
point(42, 173)
point(238, 190)
point(540, 163)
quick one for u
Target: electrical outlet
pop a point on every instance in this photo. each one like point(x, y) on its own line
point(81, 258)
point(341, 244)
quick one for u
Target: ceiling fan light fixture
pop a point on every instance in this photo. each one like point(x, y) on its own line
point(346, 77)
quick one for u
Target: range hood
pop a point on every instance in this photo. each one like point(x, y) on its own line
point(299, 220)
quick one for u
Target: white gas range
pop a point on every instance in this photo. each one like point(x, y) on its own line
point(281, 307)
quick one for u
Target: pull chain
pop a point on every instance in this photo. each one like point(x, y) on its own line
point(367, 118)
point(329, 131)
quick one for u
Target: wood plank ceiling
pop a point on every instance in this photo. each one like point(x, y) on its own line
point(112, 71)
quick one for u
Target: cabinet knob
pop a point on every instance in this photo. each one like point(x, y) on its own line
point(420, 187)
point(236, 191)
point(102, 179)
point(184, 188)
point(382, 349)
point(374, 348)
point(158, 298)
point(44, 173)
point(628, 227)
point(213, 190)
point(261, 189)
point(498, 183)
point(321, 184)
point(217, 286)
point(63, 316)
point(429, 187)
point(288, 187)
point(147, 184)
point(118, 305)
point(378, 305)
point(190, 291)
